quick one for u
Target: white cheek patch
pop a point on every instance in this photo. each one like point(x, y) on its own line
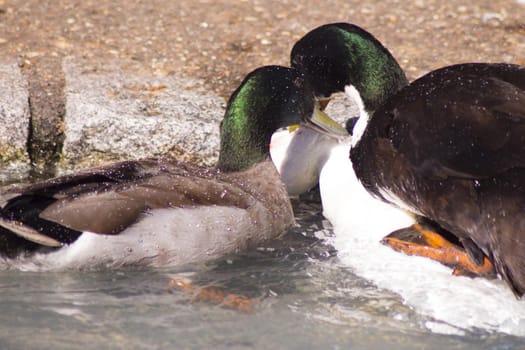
point(360, 126)
point(354, 94)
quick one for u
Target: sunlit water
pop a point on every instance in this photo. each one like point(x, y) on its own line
point(306, 299)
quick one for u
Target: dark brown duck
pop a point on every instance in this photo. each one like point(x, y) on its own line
point(450, 146)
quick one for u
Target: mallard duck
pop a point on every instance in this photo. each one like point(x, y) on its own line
point(323, 59)
point(164, 212)
point(448, 148)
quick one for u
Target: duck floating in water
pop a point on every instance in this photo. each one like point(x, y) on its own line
point(448, 148)
point(163, 212)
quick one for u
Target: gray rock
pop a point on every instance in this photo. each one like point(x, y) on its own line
point(14, 123)
point(114, 115)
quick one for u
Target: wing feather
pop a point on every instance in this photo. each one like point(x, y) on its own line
point(106, 200)
point(462, 121)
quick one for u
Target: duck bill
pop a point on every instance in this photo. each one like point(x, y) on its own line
point(322, 123)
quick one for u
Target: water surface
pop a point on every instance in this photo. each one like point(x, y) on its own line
point(306, 299)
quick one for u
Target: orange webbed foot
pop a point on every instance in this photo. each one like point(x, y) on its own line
point(214, 295)
point(424, 241)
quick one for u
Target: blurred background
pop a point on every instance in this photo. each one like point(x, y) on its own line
point(220, 41)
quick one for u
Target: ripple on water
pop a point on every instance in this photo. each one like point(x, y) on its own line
point(307, 298)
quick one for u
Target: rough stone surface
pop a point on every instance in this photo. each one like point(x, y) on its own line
point(216, 43)
point(14, 121)
point(111, 115)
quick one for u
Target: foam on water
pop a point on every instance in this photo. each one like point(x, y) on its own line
point(360, 222)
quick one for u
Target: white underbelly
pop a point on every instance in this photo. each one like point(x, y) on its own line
point(299, 157)
point(455, 303)
point(349, 206)
point(163, 237)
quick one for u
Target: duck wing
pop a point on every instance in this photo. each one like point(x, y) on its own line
point(465, 121)
point(107, 200)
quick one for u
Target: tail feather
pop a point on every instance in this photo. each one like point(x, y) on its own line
point(26, 232)
point(12, 245)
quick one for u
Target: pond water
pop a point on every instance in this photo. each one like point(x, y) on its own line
point(305, 299)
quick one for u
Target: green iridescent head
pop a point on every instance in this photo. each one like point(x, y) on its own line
point(340, 54)
point(269, 98)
